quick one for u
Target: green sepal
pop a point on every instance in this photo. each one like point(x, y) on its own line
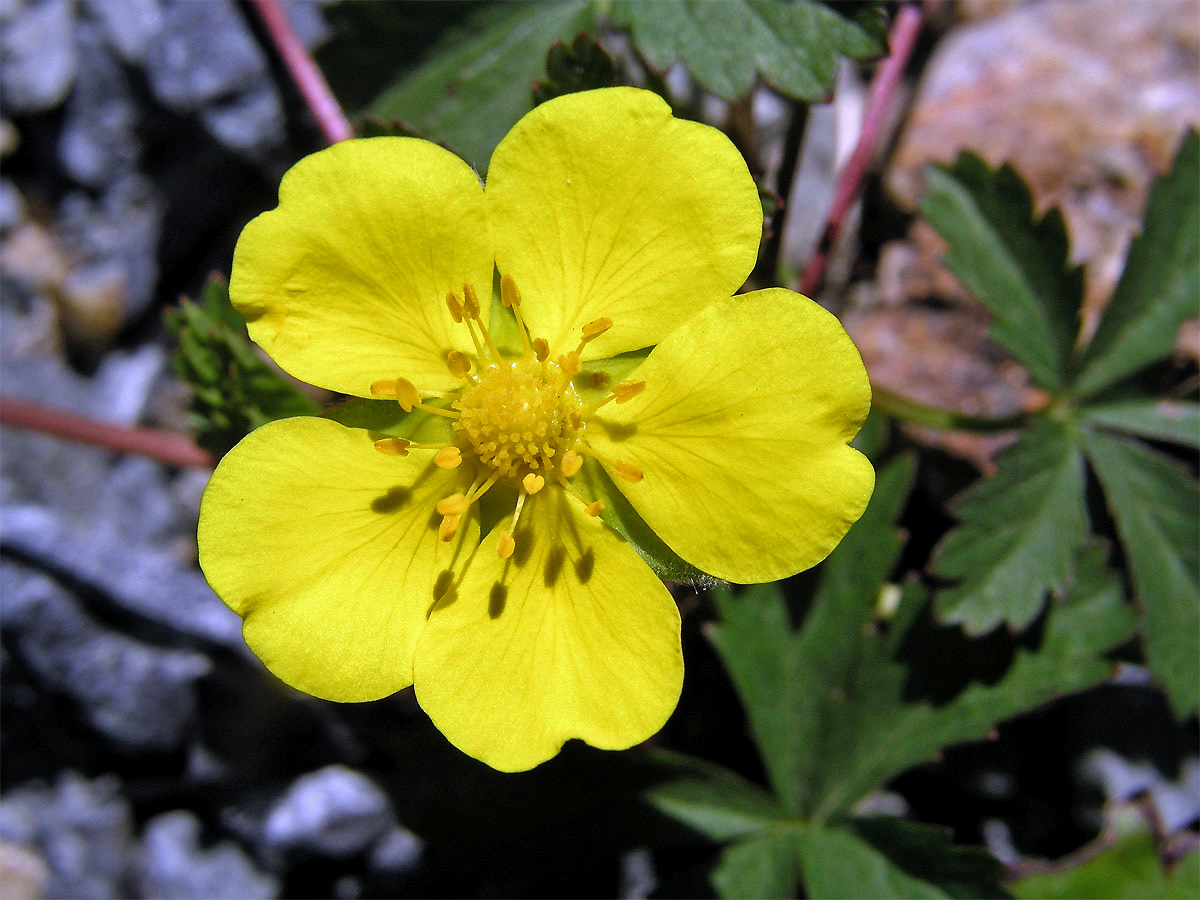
point(582, 65)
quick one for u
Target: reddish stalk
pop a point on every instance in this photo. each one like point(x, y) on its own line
point(307, 77)
point(164, 446)
point(902, 39)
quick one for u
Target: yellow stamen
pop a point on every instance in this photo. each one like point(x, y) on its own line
point(541, 349)
point(628, 471)
point(393, 446)
point(595, 328)
point(454, 505)
point(407, 394)
point(533, 483)
point(454, 302)
point(509, 295)
point(449, 458)
point(449, 527)
point(571, 463)
point(384, 388)
point(470, 302)
point(594, 509)
point(471, 312)
point(458, 364)
point(627, 390)
point(570, 363)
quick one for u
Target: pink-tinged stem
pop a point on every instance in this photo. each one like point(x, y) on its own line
point(164, 446)
point(307, 77)
point(902, 39)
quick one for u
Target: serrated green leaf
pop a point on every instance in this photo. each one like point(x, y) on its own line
point(1019, 530)
point(715, 802)
point(1128, 870)
point(1016, 265)
point(1154, 502)
point(761, 866)
point(836, 864)
point(784, 680)
point(725, 46)
point(472, 91)
point(871, 733)
point(929, 853)
point(1173, 421)
point(1160, 286)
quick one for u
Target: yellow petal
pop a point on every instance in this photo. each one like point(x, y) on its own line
point(329, 551)
point(741, 433)
point(572, 637)
point(604, 205)
point(345, 282)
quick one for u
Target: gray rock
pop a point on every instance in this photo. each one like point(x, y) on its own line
point(140, 697)
point(251, 124)
point(98, 142)
point(173, 866)
point(37, 57)
point(307, 20)
point(81, 829)
point(396, 852)
point(334, 811)
point(12, 206)
point(127, 25)
point(119, 231)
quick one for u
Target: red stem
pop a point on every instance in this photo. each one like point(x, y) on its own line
point(902, 39)
point(307, 77)
point(164, 446)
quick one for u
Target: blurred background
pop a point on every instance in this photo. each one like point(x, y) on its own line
point(144, 752)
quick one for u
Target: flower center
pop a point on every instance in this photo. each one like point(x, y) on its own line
point(518, 419)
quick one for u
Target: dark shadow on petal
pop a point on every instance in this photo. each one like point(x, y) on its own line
point(554, 564)
point(395, 498)
point(497, 600)
point(585, 565)
point(617, 431)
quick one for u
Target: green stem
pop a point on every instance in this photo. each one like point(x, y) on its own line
point(906, 410)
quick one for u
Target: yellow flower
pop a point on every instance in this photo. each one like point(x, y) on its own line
point(473, 562)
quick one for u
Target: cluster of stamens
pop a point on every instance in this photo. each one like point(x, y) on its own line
point(519, 420)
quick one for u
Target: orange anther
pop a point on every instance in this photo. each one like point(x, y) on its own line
point(594, 509)
point(448, 458)
point(458, 364)
point(596, 327)
point(509, 295)
point(541, 349)
point(627, 390)
point(393, 446)
point(533, 483)
point(385, 387)
point(470, 301)
point(449, 527)
point(505, 546)
point(628, 471)
point(454, 505)
point(454, 302)
point(572, 462)
point(570, 363)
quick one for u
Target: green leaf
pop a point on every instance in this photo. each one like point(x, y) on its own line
point(234, 388)
point(1019, 530)
point(871, 733)
point(836, 864)
point(761, 866)
point(1128, 870)
point(1173, 421)
point(472, 90)
point(784, 681)
point(930, 854)
point(1154, 501)
point(1016, 265)
point(715, 802)
point(725, 46)
point(1160, 284)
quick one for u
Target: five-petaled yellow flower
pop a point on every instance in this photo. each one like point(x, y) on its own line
point(473, 561)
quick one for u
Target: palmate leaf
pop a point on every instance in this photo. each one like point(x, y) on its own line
point(929, 853)
point(838, 864)
point(1019, 531)
point(1160, 285)
point(726, 46)
point(474, 89)
point(1154, 502)
point(1016, 265)
point(1173, 421)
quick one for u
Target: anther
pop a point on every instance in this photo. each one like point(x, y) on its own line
point(449, 527)
point(570, 363)
point(506, 545)
point(627, 470)
point(458, 364)
point(594, 509)
point(627, 390)
point(449, 458)
point(571, 463)
point(595, 328)
point(470, 301)
point(393, 446)
point(541, 349)
point(509, 295)
point(601, 380)
point(454, 302)
point(406, 393)
point(533, 483)
point(454, 505)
